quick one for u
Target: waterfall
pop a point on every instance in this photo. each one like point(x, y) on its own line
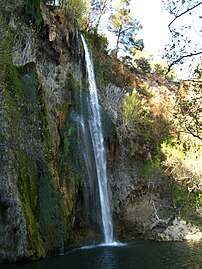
point(98, 148)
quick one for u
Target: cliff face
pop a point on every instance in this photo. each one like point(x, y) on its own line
point(47, 192)
point(137, 201)
point(39, 184)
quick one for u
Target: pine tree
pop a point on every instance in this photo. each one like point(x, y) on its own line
point(125, 28)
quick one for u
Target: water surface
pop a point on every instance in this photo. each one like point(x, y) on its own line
point(134, 255)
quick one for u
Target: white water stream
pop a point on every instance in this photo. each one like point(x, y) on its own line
point(98, 148)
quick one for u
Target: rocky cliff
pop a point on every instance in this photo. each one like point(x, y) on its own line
point(48, 194)
point(39, 185)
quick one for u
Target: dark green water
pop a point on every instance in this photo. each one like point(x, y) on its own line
point(136, 254)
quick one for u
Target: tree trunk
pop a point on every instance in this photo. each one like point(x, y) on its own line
point(117, 42)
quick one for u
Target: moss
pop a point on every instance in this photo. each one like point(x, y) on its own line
point(28, 68)
point(49, 212)
point(28, 190)
point(73, 84)
point(71, 81)
point(32, 138)
point(20, 84)
point(63, 112)
point(56, 203)
point(14, 99)
point(13, 82)
point(97, 41)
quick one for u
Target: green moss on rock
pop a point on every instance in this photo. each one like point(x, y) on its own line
point(13, 82)
point(28, 186)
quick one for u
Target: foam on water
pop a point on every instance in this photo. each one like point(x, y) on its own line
point(113, 244)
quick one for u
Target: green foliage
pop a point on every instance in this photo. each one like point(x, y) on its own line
point(189, 114)
point(173, 148)
point(183, 167)
point(98, 41)
point(142, 66)
point(198, 70)
point(143, 132)
point(74, 9)
point(134, 108)
point(188, 195)
point(142, 62)
point(161, 68)
point(152, 169)
point(176, 171)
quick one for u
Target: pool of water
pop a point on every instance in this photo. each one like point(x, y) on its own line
point(134, 255)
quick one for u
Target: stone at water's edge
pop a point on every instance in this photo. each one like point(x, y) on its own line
point(180, 230)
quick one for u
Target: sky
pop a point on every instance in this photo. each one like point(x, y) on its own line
point(155, 32)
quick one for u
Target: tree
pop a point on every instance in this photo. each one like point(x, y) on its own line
point(73, 8)
point(125, 28)
point(143, 65)
point(160, 68)
point(186, 20)
point(197, 73)
point(87, 12)
point(189, 113)
point(95, 11)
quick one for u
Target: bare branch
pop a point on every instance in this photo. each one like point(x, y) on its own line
point(193, 134)
point(179, 59)
point(181, 14)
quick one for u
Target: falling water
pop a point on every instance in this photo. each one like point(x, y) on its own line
point(98, 148)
